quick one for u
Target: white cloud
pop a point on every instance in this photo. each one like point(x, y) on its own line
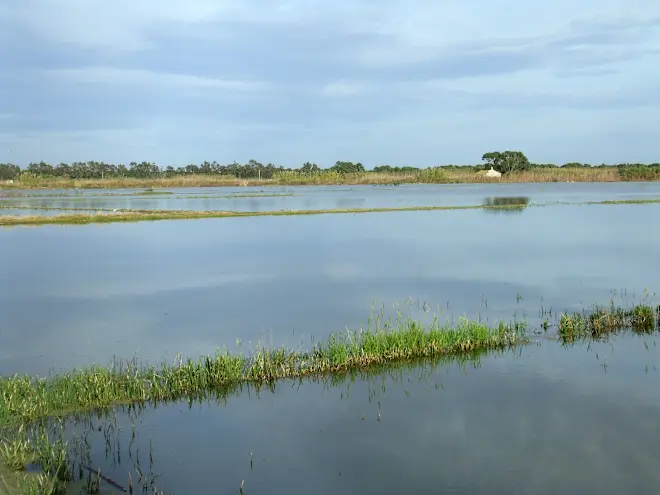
point(342, 89)
point(445, 28)
point(118, 25)
point(125, 24)
point(115, 76)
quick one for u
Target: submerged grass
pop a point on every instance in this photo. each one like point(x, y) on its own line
point(25, 399)
point(119, 215)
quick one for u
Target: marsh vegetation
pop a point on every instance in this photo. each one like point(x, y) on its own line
point(514, 164)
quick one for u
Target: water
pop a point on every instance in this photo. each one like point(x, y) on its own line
point(545, 419)
point(328, 197)
point(72, 295)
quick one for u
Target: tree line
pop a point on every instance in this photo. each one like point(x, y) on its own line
point(504, 162)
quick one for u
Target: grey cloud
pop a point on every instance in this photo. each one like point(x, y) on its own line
point(316, 52)
point(567, 73)
point(297, 60)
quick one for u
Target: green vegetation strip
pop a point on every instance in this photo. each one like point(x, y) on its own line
point(116, 215)
point(136, 216)
point(25, 399)
point(601, 322)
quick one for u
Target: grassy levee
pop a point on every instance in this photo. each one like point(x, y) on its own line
point(424, 176)
point(25, 399)
point(107, 216)
point(101, 215)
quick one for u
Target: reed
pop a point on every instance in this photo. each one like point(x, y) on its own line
point(437, 175)
point(558, 174)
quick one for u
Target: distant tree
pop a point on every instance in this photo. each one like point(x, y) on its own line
point(310, 168)
point(9, 171)
point(389, 169)
point(143, 170)
point(347, 167)
point(506, 161)
point(41, 169)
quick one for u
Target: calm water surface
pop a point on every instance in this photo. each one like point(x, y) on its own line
point(543, 420)
point(313, 197)
point(74, 295)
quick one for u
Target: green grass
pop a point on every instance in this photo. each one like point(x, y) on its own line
point(34, 445)
point(117, 215)
point(602, 322)
point(25, 399)
point(20, 483)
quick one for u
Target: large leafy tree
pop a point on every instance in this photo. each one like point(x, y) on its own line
point(9, 171)
point(347, 167)
point(506, 161)
point(310, 168)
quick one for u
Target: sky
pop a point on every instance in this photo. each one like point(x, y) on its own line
point(414, 82)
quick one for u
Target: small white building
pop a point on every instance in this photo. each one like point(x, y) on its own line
point(493, 173)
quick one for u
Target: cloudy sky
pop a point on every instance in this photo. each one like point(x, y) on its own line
point(417, 82)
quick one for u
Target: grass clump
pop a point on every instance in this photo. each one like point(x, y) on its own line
point(20, 483)
point(25, 399)
point(22, 446)
point(16, 451)
point(604, 321)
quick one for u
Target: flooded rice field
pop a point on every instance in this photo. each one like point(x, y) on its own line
point(323, 197)
point(541, 417)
